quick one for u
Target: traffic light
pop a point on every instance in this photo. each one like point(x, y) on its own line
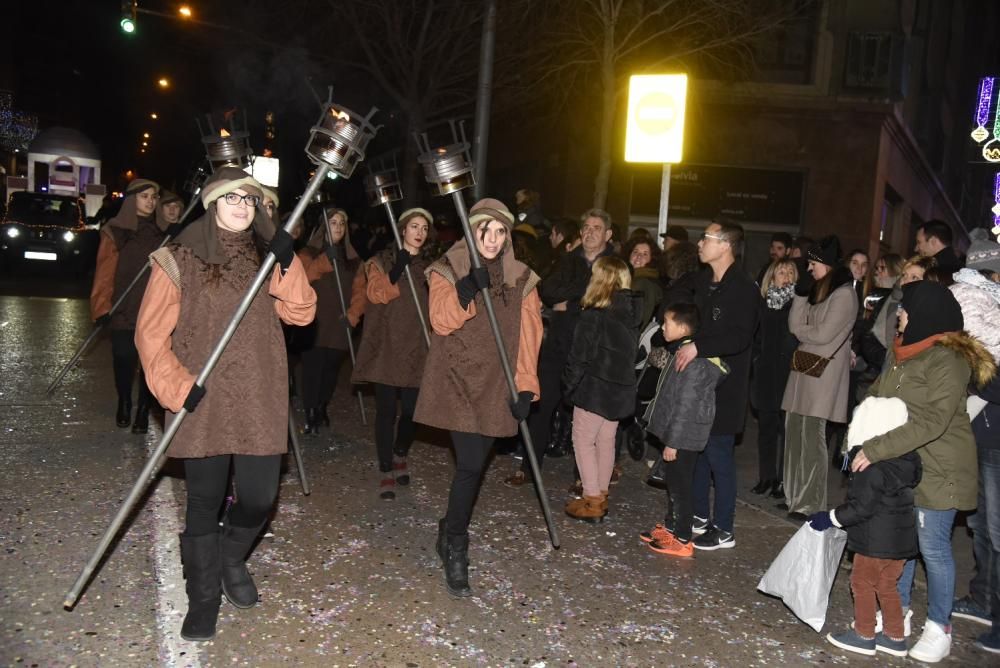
point(127, 22)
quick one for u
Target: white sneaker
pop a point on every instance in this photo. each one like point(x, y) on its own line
point(934, 644)
point(907, 622)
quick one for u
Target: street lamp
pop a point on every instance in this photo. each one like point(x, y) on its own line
point(184, 11)
point(145, 135)
point(163, 82)
point(154, 116)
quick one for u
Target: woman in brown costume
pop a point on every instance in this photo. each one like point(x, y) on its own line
point(328, 334)
point(464, 389)
point(126, 242)
point(195, 287)
point(393, 350)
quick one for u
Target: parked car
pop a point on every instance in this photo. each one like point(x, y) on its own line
point(42, 228)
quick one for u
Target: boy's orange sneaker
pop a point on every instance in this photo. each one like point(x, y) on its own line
point(673, 547)
point(659, 533)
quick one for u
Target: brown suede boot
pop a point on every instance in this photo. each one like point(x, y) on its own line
point(604, 501)
point(590, 511)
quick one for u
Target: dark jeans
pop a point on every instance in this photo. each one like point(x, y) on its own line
point(125, 360)
point(256, 480)
point(680, 501)
point(550, 368)
point(985, 525)
point(771, 445)
point(716, 464)
point(472, 451)
point(320, 369)
point(390, 437)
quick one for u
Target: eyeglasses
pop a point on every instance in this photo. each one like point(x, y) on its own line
point(706, 235)
point(235, 198)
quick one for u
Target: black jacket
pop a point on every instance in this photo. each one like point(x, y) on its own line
point(682, 412)
point(878, 513)
point(948, 261)
point(986, 426)
point(729, 313)
point(567, 283)
point(599, 376)
point(774, 346)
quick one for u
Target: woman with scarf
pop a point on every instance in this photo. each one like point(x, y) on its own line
point(126, 242)
point(328, 334)
point(463, 368)
point(773, 349)
point(393, 349)
point(643, 256)
point(930, 367)
point(239, 419)
point(822, 319)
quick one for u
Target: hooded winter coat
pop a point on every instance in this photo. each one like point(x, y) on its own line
point(599, 376)
point(878, 512)
point(933, 385)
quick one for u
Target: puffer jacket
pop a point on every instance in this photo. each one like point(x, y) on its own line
point(878, 512)
point(599, 376)
point(933, 385)
point(980, 302)
point(682, 412)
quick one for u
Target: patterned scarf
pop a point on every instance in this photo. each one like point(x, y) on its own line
point(777, 297)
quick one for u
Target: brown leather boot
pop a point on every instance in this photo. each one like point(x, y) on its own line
point(604, 501)
point(590, 511)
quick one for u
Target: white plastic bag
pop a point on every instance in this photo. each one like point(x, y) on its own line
point(802, 574)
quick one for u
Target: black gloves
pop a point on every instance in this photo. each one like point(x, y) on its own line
point(283, 247)
point(173, 229)
point(193, 397)
point(103, 321)
point(403, 259)
point(520, 408)
point(805, 285)
point(478, 279)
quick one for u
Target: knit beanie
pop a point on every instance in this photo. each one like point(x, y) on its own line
point(827, 251)
point(931, 309)
point(983, 253)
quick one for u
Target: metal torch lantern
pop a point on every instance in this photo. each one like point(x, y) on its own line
point(227, 140)
point(448, 169)
point(339, 139)
point(383, 187)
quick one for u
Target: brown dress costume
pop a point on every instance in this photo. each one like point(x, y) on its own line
point(187, 306)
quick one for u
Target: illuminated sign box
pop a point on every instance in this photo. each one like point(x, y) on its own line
point(265, 170)
point(655, 127)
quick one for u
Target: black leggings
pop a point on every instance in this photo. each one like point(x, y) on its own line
point(125, 360)
point(550, 368)
point(472, 451)
point(256, 481)
point(385, 422)
point(320, 369)
point(680, 500)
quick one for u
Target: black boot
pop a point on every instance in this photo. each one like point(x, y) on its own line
point(324, 418)
point(442, 541)
point(763, 486)
point(141, 424)
point(234, 547)
point(456, 566)
point(200, 555)
point(778, 492)
point(312, 422)
point(124, 416)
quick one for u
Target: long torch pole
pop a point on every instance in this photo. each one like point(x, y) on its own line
point(507, 371)
point(114, 307)
point(293, 434)
point(409, 277)
point(155, 460)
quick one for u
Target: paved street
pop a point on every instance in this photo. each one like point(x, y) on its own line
point(348, 579)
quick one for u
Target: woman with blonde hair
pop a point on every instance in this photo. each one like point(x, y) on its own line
point(599, 379)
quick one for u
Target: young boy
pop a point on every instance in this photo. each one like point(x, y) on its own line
point(881, 531)
point(681, 416)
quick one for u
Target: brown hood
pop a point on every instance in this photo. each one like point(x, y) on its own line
point(980, 360)
point(317, 240)
point(127, 217)
point(483, 211)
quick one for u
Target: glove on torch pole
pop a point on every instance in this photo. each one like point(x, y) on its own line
point(449, 170)
point(336, 144)
point(384, 188)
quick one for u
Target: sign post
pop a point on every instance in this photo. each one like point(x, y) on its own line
point(654, 131)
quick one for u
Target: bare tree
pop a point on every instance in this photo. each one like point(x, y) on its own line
point(601, 41)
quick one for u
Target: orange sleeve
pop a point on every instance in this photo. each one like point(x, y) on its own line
point(294, 298)
point(103, 288)
point(526, 374)
point(166, 377)
point(316, 266)
point(446, 313)
point(359, 297)
point(380, 289)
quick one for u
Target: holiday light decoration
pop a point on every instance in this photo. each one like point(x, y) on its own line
point(17, 128)
point(996, 207)
point(982, 116)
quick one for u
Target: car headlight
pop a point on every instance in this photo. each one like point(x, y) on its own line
point(13, 232)
point(68, 236)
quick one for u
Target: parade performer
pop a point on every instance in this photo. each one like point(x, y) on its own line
point(126, 242)
point(327, 335)
point(392, 351)
point(464, 389)
point(240, 417)
point(171, 207)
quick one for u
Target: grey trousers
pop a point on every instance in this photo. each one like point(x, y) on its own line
point(805, 463)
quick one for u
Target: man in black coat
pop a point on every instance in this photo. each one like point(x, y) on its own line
point(934, 239)
point(562, 291)
point(728, 303)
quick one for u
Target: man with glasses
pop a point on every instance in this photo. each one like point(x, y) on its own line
point(728, 303)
